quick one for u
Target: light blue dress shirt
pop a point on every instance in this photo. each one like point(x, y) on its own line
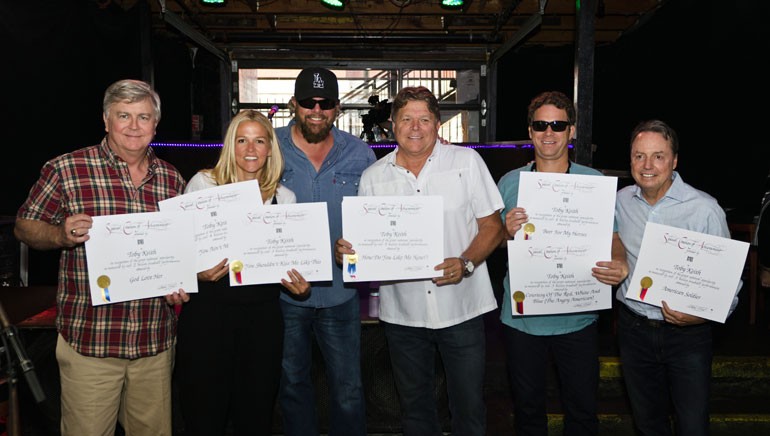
point(683, 207)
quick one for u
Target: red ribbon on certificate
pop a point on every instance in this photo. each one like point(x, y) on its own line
point(237, 267)
point(646, 284)
point(518, 298)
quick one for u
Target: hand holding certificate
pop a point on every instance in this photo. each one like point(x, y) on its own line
point(271, 240)
point(395, 237)
point(568, 207)
point(550, 278)
point(569, 229)
point(140, 255)
point(692, 272)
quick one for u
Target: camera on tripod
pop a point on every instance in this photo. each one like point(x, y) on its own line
point(377, 126)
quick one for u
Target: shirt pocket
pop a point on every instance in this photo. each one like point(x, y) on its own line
point(451, 186)
point(346, 183)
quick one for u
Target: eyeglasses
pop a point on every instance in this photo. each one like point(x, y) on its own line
point(556, 126)
point(325, 104)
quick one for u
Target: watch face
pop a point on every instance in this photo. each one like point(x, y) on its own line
point(468, 266)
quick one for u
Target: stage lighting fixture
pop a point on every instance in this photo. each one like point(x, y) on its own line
point(213, 2)
point(452, 4)
point(336, 5)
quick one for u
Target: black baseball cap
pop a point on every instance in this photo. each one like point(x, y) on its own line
point(316, 82)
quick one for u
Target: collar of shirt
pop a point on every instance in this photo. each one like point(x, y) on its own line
point(676, 191)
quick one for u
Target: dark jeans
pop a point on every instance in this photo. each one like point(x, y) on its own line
point(576, 356)
point(463, 351)
point(666, 365)
point(338, 333)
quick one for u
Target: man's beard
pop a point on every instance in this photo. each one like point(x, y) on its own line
point(309, 134)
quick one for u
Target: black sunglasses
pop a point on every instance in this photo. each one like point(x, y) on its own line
point(325, 104)
point(556, 126)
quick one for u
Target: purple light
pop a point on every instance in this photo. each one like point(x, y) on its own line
point(187, 144)
point(513, 144)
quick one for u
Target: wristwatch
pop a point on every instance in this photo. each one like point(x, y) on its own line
point(469, 266)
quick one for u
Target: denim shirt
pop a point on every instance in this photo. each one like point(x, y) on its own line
point(338, 177)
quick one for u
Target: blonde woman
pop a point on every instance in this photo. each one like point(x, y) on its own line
point(230, 339)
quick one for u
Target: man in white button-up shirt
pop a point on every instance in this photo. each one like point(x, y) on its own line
point(443, 313)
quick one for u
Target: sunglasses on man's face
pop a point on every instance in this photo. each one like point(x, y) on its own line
point(325, 104)
point(556, 126)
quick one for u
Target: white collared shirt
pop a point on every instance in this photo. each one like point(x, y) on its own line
point(460, 176)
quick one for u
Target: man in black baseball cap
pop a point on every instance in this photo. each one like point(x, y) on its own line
point(315, 104)
point(322, 163)
point(316, 82)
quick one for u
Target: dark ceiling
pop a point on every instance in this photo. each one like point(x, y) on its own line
point(393, 28)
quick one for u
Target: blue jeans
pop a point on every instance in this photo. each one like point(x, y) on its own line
point(463, 351)
point(665, 365)
point(576, 356)
point(337, 330)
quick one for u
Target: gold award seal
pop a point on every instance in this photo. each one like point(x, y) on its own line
point(103, 282)
point(646, 283)
point(518, 297)
point(529, 229)
point(237, 267)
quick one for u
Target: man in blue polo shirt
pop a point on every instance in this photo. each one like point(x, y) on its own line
point(571, 338)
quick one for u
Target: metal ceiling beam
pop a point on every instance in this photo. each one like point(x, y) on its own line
point(528, 27)
point(199, 38)
point(347, 38)
point(505, 16)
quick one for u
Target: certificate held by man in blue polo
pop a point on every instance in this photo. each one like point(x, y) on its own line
point(394, 237)
point(569, 229)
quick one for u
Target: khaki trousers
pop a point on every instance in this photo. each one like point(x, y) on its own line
point(98, 391)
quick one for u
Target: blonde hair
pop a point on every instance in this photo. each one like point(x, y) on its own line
point(226, 169)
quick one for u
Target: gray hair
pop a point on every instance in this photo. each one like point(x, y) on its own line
point(131, 91)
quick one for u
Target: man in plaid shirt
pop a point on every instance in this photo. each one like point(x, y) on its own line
point(115, 360)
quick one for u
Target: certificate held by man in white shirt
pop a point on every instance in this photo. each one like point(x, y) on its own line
point(396, 237)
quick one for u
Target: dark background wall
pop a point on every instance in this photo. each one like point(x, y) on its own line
point(695, 64)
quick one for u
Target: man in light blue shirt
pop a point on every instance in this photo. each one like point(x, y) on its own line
point(666, 354)
point(322, 163)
